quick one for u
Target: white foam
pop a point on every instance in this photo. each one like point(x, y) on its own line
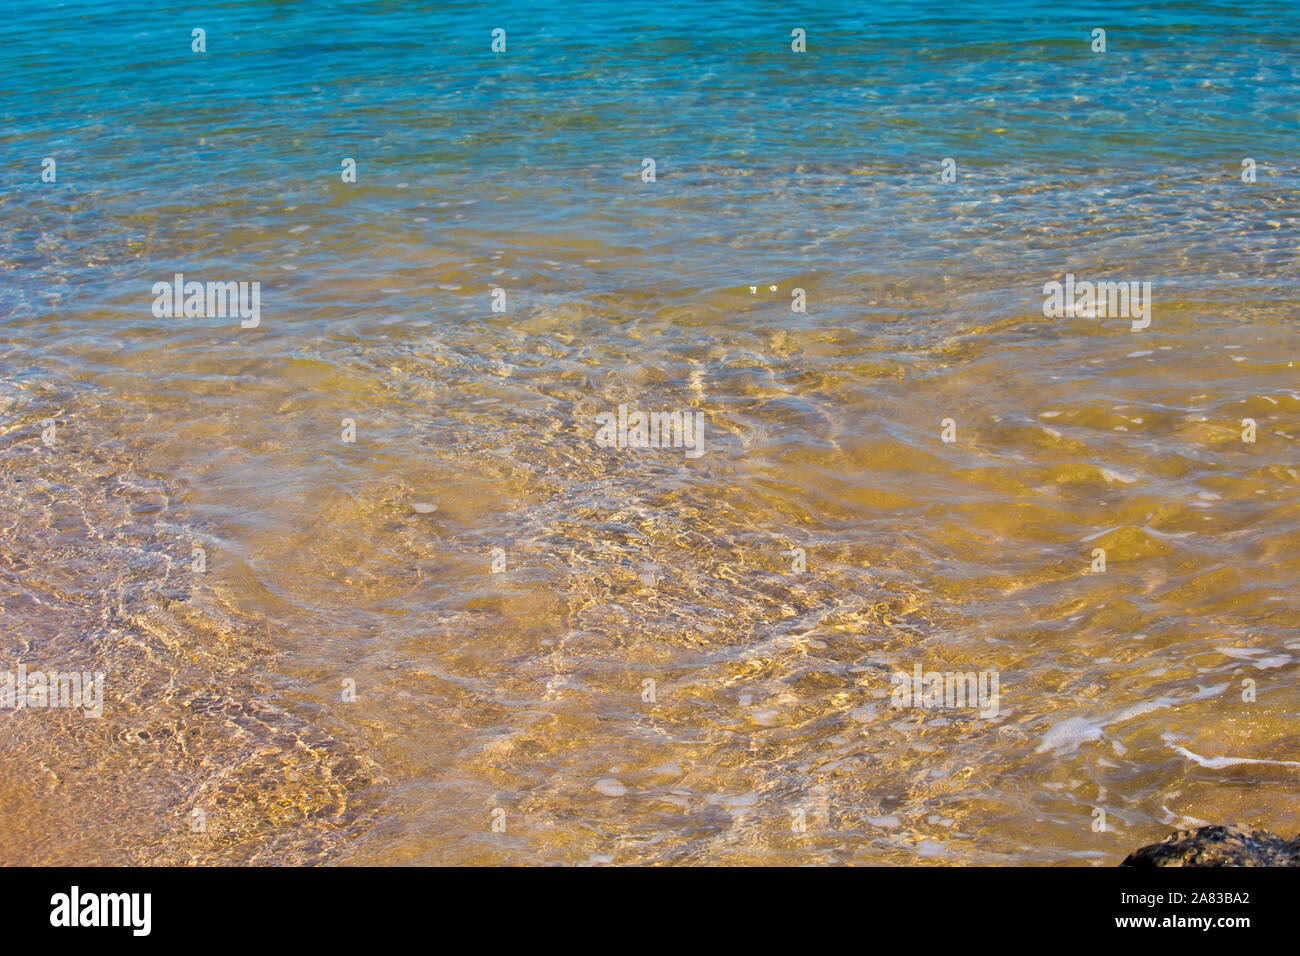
point(1067, 735)
point(1218, 763)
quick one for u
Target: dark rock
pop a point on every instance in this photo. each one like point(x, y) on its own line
point(1219, 846)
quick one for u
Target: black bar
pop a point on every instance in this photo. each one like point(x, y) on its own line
point(362, 906)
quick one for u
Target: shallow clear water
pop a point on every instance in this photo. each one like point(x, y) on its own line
point(522, 691)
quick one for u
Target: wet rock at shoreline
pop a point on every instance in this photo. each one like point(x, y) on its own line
point(1219, 846)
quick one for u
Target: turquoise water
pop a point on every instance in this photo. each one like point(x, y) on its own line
point(521, 690)
point(823, 161)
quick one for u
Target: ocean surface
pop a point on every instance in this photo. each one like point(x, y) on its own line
point(473, 634)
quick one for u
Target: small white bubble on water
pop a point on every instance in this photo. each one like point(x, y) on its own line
point(610, 787)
